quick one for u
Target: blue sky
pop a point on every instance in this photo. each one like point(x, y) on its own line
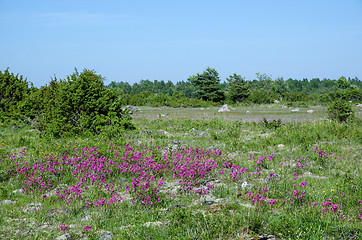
point(171, 40)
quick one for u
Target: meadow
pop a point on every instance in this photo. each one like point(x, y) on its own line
point(189, 173)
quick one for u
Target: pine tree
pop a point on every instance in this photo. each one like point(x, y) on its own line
point(208, 85)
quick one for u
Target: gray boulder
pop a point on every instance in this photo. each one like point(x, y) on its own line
point(224, 108)
point(130, 108)
point(66, 236)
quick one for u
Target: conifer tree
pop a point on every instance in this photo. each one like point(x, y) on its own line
point(208, 85)
point(239, 89)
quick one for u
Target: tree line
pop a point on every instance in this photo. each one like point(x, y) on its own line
point(207, 86)
point(82, 103)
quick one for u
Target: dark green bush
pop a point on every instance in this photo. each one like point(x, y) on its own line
point(272, 124)
point(13, 90)
point(82, 104)
point(341, 111)
point(347, 95)
point(260, 97)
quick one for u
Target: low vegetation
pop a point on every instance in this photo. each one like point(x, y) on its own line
point(74, 164)
point(185, 179)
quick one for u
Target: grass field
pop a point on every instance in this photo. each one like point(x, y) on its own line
point(187, 174)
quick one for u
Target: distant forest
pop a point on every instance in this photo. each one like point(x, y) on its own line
point(313, 86)
point(82, 99)
point(207, 86)
point(81, 103)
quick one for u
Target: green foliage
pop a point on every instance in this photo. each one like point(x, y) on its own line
point(272, 124)
point(259, 97)
point(239, 90)
point(280, 86)
point(13, 90)
point(208, 85)
point(157, 100)
point(186, 216)
point(343, 83)
point(82, 104)
point(347, 95)
point(265, 82)
point(341, 111)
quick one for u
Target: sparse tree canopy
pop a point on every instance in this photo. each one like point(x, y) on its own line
point(280, 86)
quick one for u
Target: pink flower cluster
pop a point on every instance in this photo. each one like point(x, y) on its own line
point(63, 227)
point(145, 171)
point(87, 229)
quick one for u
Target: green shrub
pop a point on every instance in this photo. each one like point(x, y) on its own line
point(13, 89)
point(272, 124)
point(82, 104)
point(341, 111)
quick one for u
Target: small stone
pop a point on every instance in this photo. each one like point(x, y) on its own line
point(202, 134)
point(295, 110)
point(253, 152)
point(248, 112)
point(175, 142)
point(105, 236)
point(222, 200)
point(269, 237)
point(33, 207)
point(53, 212)
point(246, 185)
point(165, 133)
point(152, 224)
point(43, 225)
point(310, 111)
point(309, 174)
point(66, 236)
point(224, 108)
point(86, 218)
point(8, 201)
point(130, 108)
point(247, 205)
point(208, 202)
point(281, 146)
point(18, 191)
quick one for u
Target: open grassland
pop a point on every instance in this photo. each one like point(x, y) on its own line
point(248, 113)
point(187, 174)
